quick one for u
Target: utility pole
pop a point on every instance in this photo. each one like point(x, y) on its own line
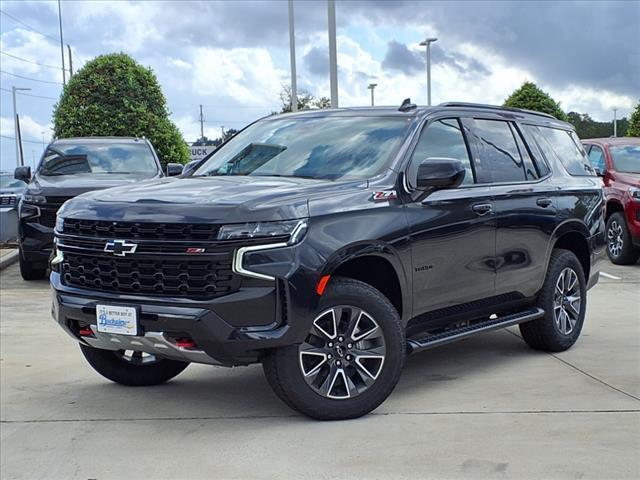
point(201, 124)
point(16, 126)
point(333, 55)
point(70, 61)
point(615, 122)
point(42, 140)
point(371, 87)
point(222, 130)
point(427, 43)
point(292, 53)
point(64, 75)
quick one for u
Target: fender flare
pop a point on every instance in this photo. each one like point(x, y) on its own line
point(375, 248)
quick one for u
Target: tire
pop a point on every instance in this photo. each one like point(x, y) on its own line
point(562, 322)
point(31, 271)
point(123, 369)
point(350, 361)
point(620, 248)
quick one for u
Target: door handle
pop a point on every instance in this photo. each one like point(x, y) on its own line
point(482, 208)
point(544, 202)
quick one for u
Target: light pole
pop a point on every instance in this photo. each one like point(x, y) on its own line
point(333, 55)
point(371, 87)
point(42, 140)
point(16, 127)
point(427, 43)
point(64, 73)
point(292, 54)
point(615, 122)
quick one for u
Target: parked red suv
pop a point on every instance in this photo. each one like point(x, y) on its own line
point(617, 161)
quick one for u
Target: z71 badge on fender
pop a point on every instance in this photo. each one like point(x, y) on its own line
point(384, 195)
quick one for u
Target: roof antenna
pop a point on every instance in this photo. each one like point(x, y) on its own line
point(407, 105)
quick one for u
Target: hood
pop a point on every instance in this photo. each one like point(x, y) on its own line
point(72, 185)
point(632, 179)
point(230, 199)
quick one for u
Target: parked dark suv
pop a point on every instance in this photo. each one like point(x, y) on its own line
point(617, 161)
point(69, 167)
point(329, 244)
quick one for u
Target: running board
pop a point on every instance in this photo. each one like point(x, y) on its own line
point(431, 341)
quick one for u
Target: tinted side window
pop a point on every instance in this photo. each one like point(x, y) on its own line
point(500, 159)
point(561, 144)
point(596, 157)
point(441, 139)
point(531, 170)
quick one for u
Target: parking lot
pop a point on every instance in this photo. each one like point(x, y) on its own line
point(486, 407)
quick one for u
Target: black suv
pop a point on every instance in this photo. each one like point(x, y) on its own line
point(330, 244)
point(69, 167)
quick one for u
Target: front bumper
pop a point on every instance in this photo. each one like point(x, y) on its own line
point(36, 241)
point(235, 329)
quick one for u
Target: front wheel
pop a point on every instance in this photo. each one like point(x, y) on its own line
point(619, 246)
point(132, 368)
point(351, 359)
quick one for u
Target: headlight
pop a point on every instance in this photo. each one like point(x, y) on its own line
point(294, 228)
point(27, 210)
point(634, 192)
point(59, 224)
point(34, 198)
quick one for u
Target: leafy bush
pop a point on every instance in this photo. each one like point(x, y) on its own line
point(113, 95)
point(530, 97)
point(634, 123)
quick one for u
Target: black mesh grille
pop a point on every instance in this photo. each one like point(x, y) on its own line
point(6, 200)
point(48, 217)
point(184, 277)
point(142, 231)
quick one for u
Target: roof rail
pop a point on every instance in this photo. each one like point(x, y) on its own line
point(495, 107)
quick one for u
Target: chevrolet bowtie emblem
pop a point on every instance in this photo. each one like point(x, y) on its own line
point(120, 248)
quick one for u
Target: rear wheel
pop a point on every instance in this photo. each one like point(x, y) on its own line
point(30, 270)
point(619, 246)
point(350, 360)
point(132, 368)
point(563, 298)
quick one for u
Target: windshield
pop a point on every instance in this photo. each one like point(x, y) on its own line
point(313, 147)
point(99, 158)
point(626, 158)
point(7, 181)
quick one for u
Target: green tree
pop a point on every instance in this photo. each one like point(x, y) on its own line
point(113, 95)
point(530, 97)
point(306, 100)
point(634, 123)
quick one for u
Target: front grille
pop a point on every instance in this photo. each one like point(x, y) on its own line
point(8, 200)
point(180, 277)
point(141, 231)
point(48, 216)
point(57, 201)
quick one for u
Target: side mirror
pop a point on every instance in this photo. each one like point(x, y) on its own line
point(174, 169)
point(190, 167)
point(599, 172)
point(436, 173)
point(23, 173)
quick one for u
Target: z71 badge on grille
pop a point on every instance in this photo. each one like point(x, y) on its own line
point(120, 248)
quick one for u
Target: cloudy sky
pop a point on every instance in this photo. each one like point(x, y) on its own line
point(233, 56)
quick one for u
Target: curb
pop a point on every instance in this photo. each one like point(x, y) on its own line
point(9, 259)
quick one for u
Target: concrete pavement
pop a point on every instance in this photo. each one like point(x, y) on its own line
point(487, 407)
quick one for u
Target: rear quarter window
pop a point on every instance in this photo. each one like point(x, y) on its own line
point(564, 146)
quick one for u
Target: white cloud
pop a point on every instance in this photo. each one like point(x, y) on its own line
point(247, 75)
point(34, 48)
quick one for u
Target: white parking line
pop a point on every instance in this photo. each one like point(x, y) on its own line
point(608, 275)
